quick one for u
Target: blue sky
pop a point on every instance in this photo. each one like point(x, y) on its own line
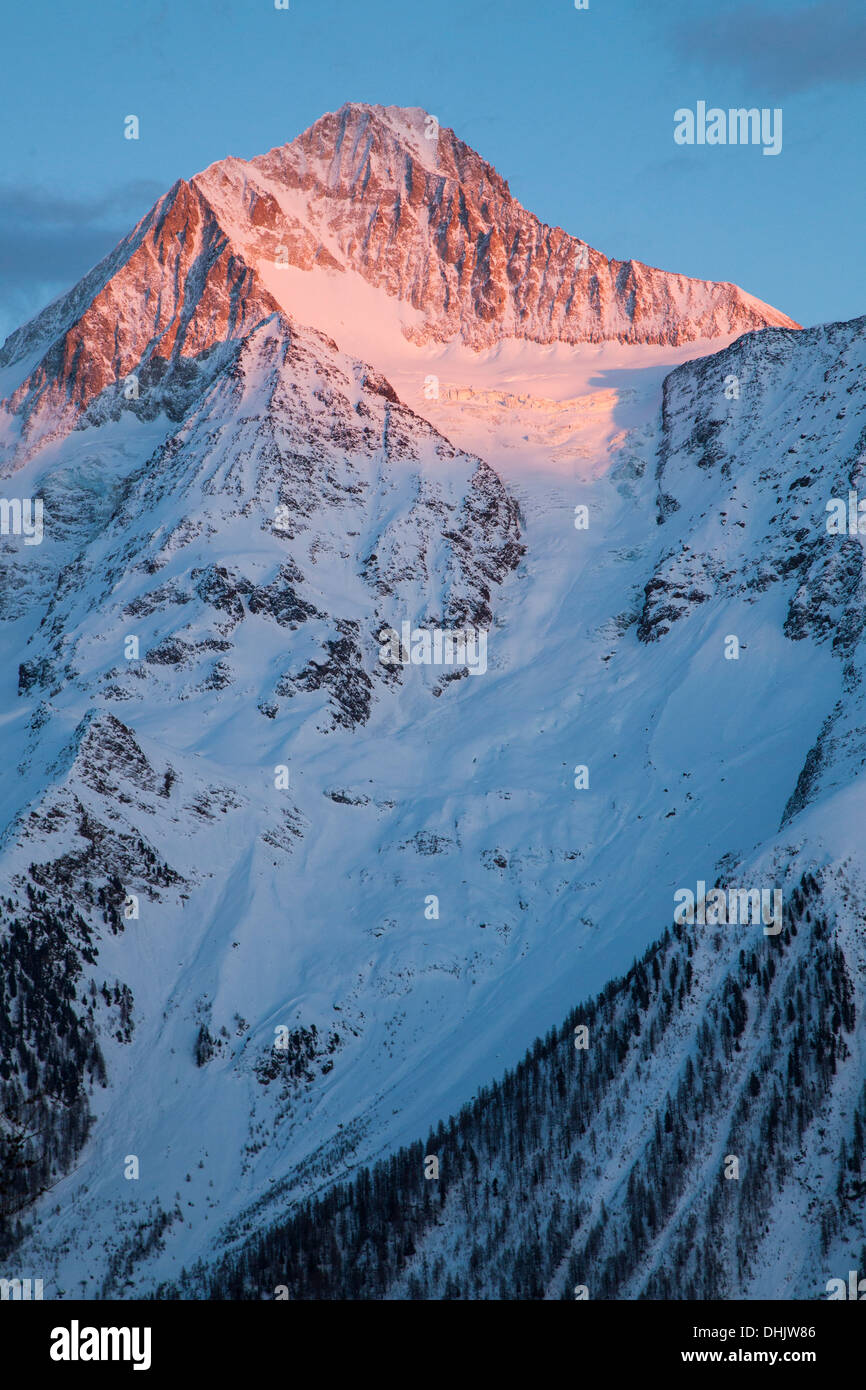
point(575, 109)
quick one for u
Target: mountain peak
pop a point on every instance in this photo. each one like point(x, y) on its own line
point(391, 194)
point(406, 122)
point(395, 139)
point(384, 193)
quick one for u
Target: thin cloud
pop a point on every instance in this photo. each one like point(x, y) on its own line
point(48, 242)
point(782, 51)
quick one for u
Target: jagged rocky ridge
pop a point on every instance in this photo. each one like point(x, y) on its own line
point(143, 332)
point(388, 193)
point(425, 220)
point(311, 455)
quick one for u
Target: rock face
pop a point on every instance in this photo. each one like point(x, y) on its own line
point(382, 191)
point(173, 292)
point(309, 453)
point(388, 193)
point(747, 462)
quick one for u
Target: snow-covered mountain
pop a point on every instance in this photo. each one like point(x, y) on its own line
point(383, 191)
point(370, 193)
point(272, 908)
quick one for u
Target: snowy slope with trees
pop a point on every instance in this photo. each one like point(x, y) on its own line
point(271, 908)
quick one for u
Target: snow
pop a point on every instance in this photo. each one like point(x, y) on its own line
point(439, 1006)
point(545, 892)
point(523, 406)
